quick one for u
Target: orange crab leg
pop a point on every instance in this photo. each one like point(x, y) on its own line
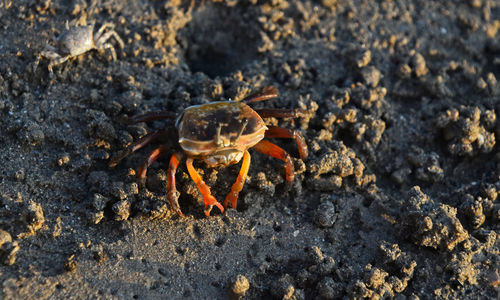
point(204, 189)
point(267, 93)
point(173, 194)
point(240, 181)
point(141, 173)
point(275, 151)
point(280, 132)
point(148, 138)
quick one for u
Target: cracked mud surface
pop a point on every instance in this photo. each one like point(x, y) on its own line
point(398, 197)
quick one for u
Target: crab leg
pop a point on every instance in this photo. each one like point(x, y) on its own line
point(173, 194)
point(280, 113)
point(152, 116)
point(204, 189)
point(267, 93)
point(48, 52)
point(57, 61)
point(240, 181)
point(275, 151)
point(110, 47)
point(148, 138)
point(103, 27)
point(280, 132)
point(141, 173)
point(105, 36)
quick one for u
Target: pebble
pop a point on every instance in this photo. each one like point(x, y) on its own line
point(325, 215)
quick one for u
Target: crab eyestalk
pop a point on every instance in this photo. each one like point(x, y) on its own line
point(244, 124)
point(218, 139)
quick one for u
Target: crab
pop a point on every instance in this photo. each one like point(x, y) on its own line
point(76, 40)
point(218, 133)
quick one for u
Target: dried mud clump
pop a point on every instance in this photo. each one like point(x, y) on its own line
point(19, 219)
point(463, 265)
point(333, 167)
point(323, 275)
point(156, 44)
point(412, 75)
point(425, 167)
point(100, 126)
point(284, 288)
point(473, 210)
point(121, 210)
point(468, 130)
point(8, 248)
point(118, 196)
point(473, 250)
point(33, 218)
point(276, 25)
point(22, 219)
point(345, 113)
point(292, 72)
point(388, 281)
point(368, 98)
point(328, 279)
point(98, 203)
point(365, 129)
point(368, 130)
point(239, 287)
point(480, 206)
point(431, 224)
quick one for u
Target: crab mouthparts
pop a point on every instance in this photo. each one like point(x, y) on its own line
point(224, 158)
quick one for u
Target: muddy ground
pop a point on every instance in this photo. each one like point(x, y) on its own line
point(397, 199)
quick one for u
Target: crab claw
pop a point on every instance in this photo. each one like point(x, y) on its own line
point(210, 201)
point(232, 198)
point(173, 197)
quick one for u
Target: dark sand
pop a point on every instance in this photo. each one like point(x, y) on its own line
point(398, 198)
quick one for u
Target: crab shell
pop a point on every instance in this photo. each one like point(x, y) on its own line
point(76, 40)
point(198, 137)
